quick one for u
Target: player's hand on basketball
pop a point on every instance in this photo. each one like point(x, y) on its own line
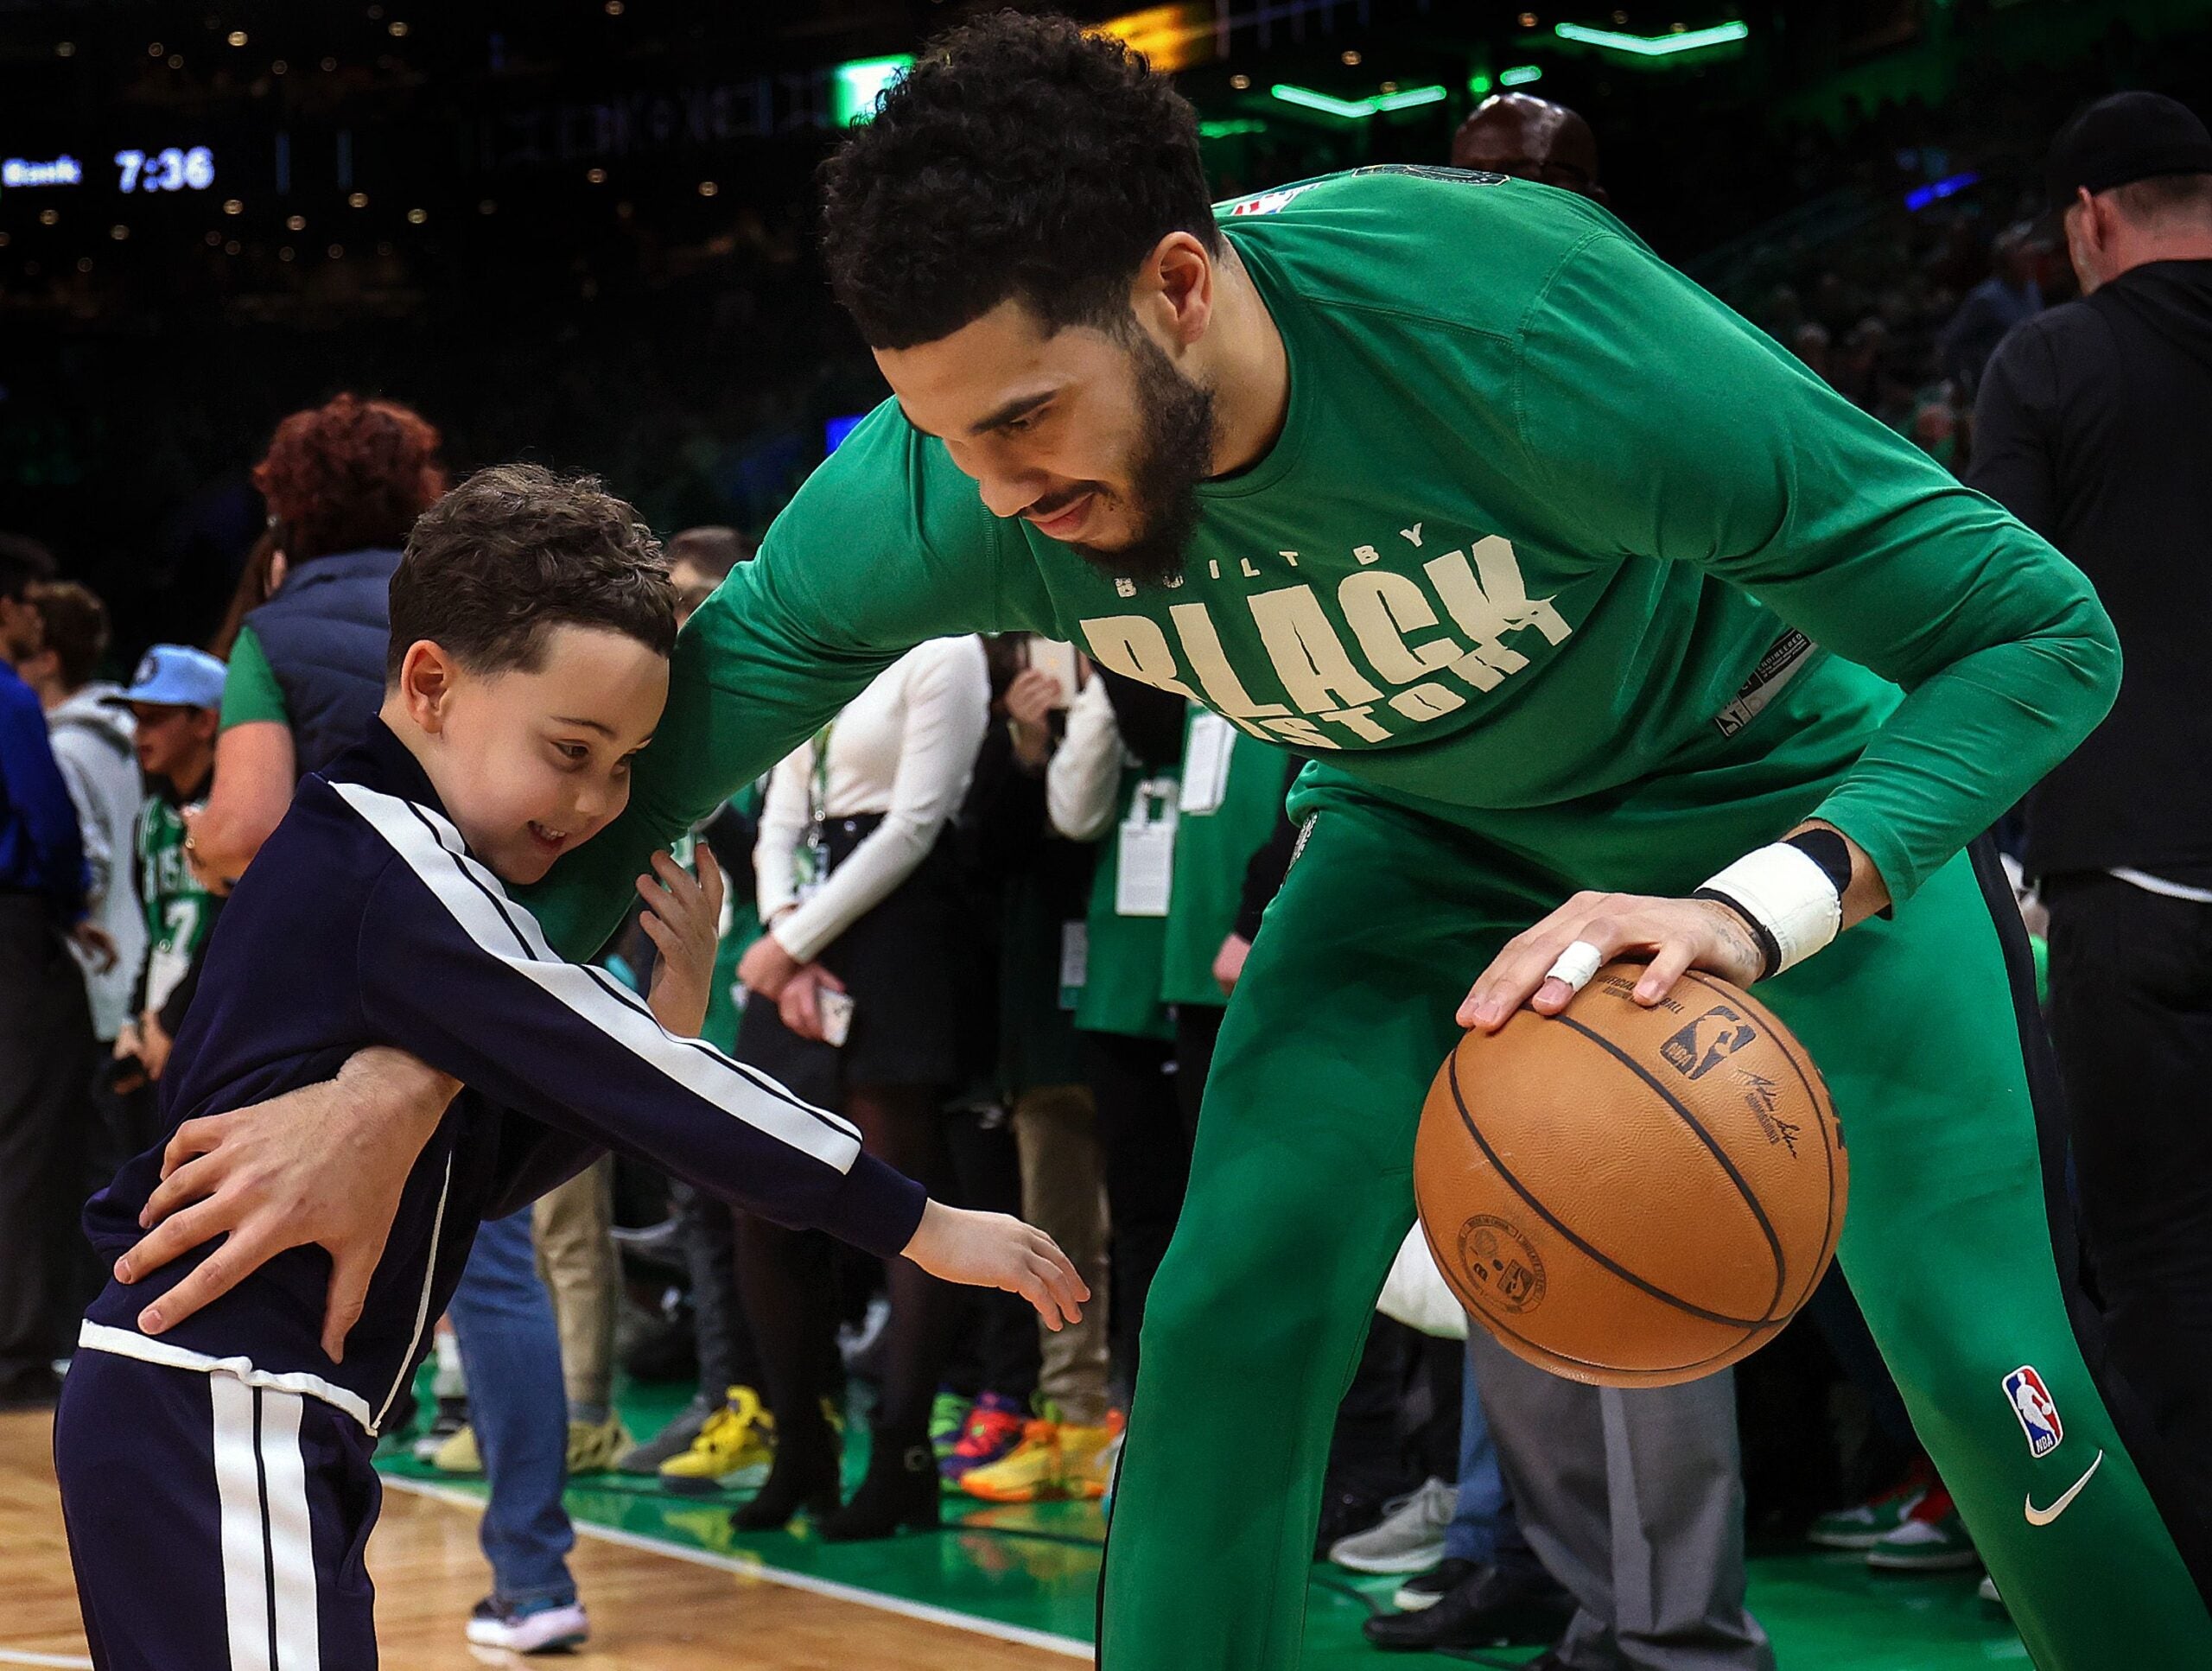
point(682, 919)
point(992, 1251)
point(1674, 934)
point(323, 1165)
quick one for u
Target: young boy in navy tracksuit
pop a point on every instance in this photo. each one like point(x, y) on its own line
point(215, 1479)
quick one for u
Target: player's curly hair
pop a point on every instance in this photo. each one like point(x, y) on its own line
point(513, 552)
point(350, 474)
point(1019, 157)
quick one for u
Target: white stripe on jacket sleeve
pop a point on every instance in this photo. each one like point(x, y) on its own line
point(504, 932)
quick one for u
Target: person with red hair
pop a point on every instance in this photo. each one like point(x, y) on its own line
point(345, 482)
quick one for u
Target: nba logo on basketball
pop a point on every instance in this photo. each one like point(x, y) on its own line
point(2036, 1409)
point(1708, 1042)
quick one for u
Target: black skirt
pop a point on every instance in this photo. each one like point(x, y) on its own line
point(896, 963)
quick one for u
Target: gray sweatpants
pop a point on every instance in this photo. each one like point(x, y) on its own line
point(1634, 1500)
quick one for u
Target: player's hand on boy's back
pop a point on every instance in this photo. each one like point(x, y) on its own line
point(682, 919)
point(323, 1165)
point(992, 1251)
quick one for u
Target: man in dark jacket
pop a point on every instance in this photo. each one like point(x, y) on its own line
point(2093, 426)
point(46, 1023)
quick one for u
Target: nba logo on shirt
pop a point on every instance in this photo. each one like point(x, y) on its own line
point(2036, 1409)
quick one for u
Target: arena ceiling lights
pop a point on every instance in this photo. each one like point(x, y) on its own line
point(1358, 110)
point(1653, 46)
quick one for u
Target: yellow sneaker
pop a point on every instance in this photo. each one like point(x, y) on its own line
point(1088, 1455)
point(459, 1454)
point(733, 1450)
point(1055, 1459)
point(595, 1447)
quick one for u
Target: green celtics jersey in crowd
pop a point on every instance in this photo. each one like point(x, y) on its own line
point(178, 910)
point(1126, 931)
point(1547, 530)
point(1231, 797)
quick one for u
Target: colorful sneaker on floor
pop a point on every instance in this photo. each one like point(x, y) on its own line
point(1056, 1460)
point(733, 1450)
point(1410, 1538)
point(1099, 1478)
point(992, 1431)
point(1866, 1524)
point(539, 1627)
point(595, 1446)
point(459, 1454)
point(1931, 1539)
point(948, 1420)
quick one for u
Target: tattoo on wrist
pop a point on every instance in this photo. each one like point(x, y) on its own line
point(1760, 944)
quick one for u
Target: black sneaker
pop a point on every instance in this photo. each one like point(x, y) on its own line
point(1425, 1590)
point(1490, 1608)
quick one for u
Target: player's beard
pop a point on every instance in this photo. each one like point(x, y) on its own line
point(1174, 455)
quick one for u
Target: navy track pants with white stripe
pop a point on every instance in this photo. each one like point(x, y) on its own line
point(212, 1524)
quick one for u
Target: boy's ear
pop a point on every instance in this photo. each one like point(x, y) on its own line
point(427, 676)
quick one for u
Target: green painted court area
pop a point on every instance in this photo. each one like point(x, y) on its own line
point(1030, 1574)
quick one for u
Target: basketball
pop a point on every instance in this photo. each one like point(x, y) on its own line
point(1632, 1197)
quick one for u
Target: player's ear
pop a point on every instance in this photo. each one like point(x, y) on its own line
point(1174, 287)
point(427, 676)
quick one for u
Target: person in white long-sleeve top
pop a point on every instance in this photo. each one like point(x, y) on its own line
point(853, 1003)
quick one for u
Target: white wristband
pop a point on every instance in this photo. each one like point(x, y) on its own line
point(1784, 891)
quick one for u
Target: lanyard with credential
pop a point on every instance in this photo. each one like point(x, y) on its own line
point(810, 864)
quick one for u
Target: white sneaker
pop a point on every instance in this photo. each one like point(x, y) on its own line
point(1410, 1538)
point(538, 1628)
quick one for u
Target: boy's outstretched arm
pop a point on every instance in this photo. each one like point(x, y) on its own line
point(457, 973)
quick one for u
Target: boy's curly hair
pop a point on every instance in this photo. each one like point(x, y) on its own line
point(1019, 157)
point(517, 550)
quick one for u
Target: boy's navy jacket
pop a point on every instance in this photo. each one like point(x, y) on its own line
point(365, 920)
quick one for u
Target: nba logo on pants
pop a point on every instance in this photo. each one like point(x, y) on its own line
point(2036, 1409)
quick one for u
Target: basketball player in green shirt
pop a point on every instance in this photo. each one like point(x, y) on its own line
point(1577, 593)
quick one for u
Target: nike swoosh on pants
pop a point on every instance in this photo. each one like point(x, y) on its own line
point(2044, 1517)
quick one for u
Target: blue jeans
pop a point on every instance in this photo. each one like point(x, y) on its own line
point(1485, 1528)
point(511, 1354)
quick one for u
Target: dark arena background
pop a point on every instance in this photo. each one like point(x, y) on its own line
point(584, 234)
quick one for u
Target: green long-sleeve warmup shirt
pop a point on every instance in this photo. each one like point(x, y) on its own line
point(1539, 524)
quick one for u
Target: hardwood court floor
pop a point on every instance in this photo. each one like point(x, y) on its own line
point(671, 1588)
point(650, 1612)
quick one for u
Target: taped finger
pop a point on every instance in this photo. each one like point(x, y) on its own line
point(1576, 965)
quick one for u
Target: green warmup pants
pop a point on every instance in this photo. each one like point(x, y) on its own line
point(1301, 1189)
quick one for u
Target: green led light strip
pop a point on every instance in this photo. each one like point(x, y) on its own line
point(1520, 75)
point(1653, 46)
point(1358, 110)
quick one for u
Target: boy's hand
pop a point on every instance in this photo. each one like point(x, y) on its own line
point(684, 919)
point(990, 1250)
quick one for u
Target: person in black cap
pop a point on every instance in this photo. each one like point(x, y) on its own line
point(2094, 426)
